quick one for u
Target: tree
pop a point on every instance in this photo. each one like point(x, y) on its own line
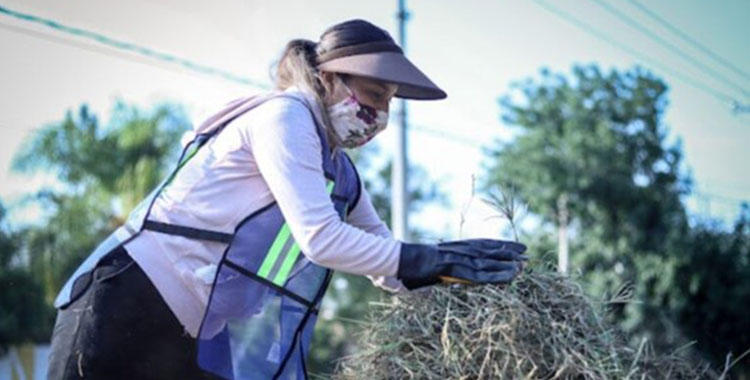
point(710, 290)
point(591, 157)
point(25, 317)
point(595, 146)
point(104, 172)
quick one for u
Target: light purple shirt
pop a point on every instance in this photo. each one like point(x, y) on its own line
point(269, 153)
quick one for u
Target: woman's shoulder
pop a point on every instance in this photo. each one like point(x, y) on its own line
point(289, 109)
point(289, 100)
point(281, 116)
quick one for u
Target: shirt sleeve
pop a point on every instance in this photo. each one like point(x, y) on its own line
point(287, 151)
point(364, 216)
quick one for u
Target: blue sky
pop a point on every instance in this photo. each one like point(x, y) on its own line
point(474, 50)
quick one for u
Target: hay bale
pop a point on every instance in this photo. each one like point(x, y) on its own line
point(540, 327)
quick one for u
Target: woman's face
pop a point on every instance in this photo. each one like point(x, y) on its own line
point(371, 92)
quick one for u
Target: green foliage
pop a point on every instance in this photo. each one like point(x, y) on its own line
point(56, 247)
point(124, 160)
point(592, 146)
point(345, 306)
point(710, 291)
point(599, 139)
point(24, 316)
point(597, 143)
point(105, 171)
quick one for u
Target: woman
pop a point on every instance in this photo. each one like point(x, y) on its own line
point(220, 272)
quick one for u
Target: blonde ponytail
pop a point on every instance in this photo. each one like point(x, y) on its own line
point(297, 67)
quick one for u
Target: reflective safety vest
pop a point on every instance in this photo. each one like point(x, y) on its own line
point(266, 294)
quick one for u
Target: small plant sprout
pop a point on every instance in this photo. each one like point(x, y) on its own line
point(467, 205)
point(504, 200)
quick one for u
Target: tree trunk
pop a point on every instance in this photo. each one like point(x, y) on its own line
point(562, 233)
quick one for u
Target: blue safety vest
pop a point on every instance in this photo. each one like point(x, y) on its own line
point(266, 294)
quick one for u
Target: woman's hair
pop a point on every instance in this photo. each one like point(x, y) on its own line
point(297, 68)
point(298, 63)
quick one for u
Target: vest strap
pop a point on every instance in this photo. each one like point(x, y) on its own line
point(282, 290)
point(188, 232)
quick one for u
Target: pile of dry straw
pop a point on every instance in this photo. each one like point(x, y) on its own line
point(542, 326)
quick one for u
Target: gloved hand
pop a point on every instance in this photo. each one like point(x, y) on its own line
point(472, 261)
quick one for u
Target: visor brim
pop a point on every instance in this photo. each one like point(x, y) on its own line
point(389, 67)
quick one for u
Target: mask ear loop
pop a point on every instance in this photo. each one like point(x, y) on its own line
point(333, 139)
point(348, 90)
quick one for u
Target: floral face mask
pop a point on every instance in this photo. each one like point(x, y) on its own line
point(356, 123)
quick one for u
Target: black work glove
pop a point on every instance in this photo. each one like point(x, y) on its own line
point(469, 261)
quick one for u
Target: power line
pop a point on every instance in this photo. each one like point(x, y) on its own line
point(630, 21)
point(159, 57)
point(112, 53)
point(9, 128)
point(689, 39)
point(454, 138)
point(192, 67)
point(724, 98)
point(127, 46)
point(704, 201)
point(450, 137)
point(720, 198)
point(207, 70)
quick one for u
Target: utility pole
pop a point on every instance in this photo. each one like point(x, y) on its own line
point(562, 233)
point(399, 188)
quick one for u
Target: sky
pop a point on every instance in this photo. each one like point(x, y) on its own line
point(473, 50)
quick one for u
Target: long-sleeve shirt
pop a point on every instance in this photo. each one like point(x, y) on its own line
point(271, 153)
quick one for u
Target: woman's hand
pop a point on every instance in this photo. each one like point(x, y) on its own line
point(474, 261)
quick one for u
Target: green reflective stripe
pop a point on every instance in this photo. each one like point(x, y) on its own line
point(287, 265)
point(191, 154)
point(289, 258)
point(274, 252)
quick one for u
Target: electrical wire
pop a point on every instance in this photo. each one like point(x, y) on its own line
point(207, 70)
point(722, 97)
point(720, 198)
point(211, 71)
point(689, 39)
point(112, 53)
point(450, 137)
point(127, 46)
point(661, 41)
point(160, 57)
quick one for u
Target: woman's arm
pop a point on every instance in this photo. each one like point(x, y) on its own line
point(287, 151)
point(364, 216)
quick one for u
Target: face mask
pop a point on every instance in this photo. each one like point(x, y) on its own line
point(356, 123)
